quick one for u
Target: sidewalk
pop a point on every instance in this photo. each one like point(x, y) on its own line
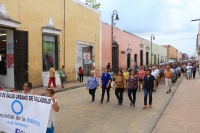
point(67, 86)
point(182, 113)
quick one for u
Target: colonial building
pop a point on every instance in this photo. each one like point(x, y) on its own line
point(36, 34)
point(131, 49)
point(172, 52)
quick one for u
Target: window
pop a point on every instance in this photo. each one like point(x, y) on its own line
point(50, 52)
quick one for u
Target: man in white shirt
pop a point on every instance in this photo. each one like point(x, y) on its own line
point(189, 71)
point(154, 73)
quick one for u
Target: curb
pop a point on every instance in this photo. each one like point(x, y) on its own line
point(65, 89)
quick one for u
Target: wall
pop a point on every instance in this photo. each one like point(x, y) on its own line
point(171, 51)
point(82, 23)
point(123, 39)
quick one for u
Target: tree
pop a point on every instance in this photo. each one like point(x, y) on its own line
point(93, 4)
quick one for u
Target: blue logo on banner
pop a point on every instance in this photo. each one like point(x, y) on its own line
point(13, 109)
point(17, 130)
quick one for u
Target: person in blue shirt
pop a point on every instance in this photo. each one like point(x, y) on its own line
point(105, 80)
point(92, 85)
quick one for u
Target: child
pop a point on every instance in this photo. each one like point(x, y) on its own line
point(54, 108)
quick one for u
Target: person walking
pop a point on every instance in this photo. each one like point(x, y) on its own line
point(194, 69)
point(149, 86)
point(92, 85)
point(189, 70)
point(133, 86)
point(141, 74)
point(155, 74)
point(80, 73)
point(62, 76)
point(168, 74)
point(119, 85)
point(105, 82)
point(52, 78)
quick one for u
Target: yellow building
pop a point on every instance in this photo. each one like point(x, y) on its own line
point(37, 33)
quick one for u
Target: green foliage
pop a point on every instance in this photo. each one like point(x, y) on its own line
point(93, 4)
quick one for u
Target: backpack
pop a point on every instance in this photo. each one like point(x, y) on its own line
point(60, 72)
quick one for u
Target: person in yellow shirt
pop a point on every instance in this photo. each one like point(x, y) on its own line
point(125, 74)
point(52, 77)
point(168, 79)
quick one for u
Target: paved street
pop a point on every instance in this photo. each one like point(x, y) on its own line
point(79, 115)
point(182, 113)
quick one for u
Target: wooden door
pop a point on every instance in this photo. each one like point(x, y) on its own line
point(21, 58)
point(87, 60)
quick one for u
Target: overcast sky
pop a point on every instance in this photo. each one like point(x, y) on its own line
point(168, 20)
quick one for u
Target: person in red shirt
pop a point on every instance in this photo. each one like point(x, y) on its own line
point(80, 73)
point(141, 74)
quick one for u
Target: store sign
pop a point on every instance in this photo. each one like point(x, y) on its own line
point(86, 56)
point(88, 61)
point(18, 115)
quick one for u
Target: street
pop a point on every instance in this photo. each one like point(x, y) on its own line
point(79, 115)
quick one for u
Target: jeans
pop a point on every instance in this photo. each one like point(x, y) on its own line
point(92, 92)
point(103, 92)
point(194, 72)
point(133, 92)
point(146, 92)
point(81, 77)
point(119, 94)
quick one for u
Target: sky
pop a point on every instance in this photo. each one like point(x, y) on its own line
point(168, 20)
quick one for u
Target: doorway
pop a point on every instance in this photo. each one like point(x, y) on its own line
point(87, 60)
point(128, 60)
point(21, 58)
point(135, 58)
point(147, 58)
point(141, 58)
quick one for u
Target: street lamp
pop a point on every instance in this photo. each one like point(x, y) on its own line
point(112, 19)
point(152, 37)
point(114, 62)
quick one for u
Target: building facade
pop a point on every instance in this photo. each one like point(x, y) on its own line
point(184, 56)
point(125, 41)
point(34, 37)
point(172, 52)
point(132, 49)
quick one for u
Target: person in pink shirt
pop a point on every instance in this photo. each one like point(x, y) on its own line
point(141, 74)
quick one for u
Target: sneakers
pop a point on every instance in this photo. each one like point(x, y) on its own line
point(144, 107)
point(150, 105)
point(169, 90)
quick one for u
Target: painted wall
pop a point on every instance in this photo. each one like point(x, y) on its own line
point(82, 23)
point(171, 51)
point(123, 39)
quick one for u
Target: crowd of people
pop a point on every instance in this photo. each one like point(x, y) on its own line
point(136, 79)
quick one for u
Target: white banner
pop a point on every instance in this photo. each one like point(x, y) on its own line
point(21, 113)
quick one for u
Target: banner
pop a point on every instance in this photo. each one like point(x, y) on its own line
point(21, 113)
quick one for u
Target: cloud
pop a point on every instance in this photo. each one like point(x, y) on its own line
point(168, 20)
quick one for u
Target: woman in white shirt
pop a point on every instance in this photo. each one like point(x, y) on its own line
point(54, 108)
